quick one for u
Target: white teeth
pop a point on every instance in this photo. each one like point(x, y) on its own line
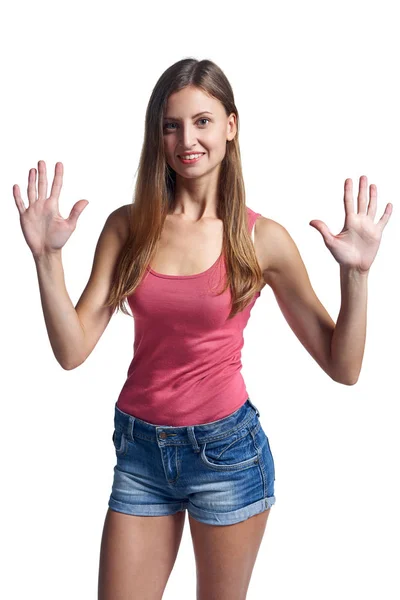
point(191, 156)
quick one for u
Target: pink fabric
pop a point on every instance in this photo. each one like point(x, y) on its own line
point(186, 367)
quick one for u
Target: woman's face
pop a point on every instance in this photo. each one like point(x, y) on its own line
point(196, 123)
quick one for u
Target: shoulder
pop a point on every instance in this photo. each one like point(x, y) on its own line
point(274, 246)
point(119, 219)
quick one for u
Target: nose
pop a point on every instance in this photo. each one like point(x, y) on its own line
point(188, 138)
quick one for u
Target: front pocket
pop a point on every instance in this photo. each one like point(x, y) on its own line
point(236, 451)
point(119, 441)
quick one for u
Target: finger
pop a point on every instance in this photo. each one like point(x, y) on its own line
point(31, 186)
point(324, 230)
point(76, 210)
point(348, 197)
point(362, 195)
point(18, 200)
point(57, 181)
point(385, 217)
point(373, 193)
point(42, 186)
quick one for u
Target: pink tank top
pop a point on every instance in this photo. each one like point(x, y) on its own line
point(186, 367)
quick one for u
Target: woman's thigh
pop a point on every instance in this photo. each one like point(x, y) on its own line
point(137, 555)
point(225, 556)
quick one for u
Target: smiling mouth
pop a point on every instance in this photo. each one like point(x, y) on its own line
point(186, 155)
point(188, 161)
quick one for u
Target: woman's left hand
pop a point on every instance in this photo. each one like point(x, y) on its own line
point(358, 242)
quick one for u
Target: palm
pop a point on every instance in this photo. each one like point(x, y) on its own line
point(42, 224)
point(357, 244)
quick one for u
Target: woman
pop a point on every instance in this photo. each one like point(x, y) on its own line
point(186, 434)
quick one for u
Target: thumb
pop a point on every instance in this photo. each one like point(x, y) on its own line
point(323, 229)
point(76, 210)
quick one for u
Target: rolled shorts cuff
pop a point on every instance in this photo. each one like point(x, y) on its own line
point(230, 518)
point(204, 516)
point(147, 510)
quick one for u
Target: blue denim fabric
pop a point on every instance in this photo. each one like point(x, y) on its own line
point(222, 472)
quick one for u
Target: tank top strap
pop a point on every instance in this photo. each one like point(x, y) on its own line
point(253, 216)
point(252, 231)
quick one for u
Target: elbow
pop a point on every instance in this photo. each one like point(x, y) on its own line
point(74, 365)
point(352, 381)
point(349, 381)
point(343, 379)
point(71, 366)
point(68, 367)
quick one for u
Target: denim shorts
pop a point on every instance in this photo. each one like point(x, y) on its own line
point(221, 472)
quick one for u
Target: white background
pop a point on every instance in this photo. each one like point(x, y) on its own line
point(316, 86)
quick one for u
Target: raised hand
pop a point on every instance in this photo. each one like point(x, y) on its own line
point(44, 229)
point(358, 242)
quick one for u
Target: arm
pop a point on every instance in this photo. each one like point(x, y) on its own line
point(64, 328)
point(354, 248)
point(74, 332)
point(287, 276)
point(348, 340)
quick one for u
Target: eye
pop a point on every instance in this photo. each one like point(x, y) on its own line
point(171, 123)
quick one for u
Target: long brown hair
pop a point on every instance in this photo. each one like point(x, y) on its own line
point(155, 190)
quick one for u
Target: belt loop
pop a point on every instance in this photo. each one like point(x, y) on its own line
point(131, 425)
point(192, 438)
point(254, 406)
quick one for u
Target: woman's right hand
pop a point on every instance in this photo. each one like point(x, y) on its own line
point(44, 229)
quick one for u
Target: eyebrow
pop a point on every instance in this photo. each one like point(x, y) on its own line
point(203, 112)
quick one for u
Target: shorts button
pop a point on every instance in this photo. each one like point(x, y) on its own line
point(163, 435)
